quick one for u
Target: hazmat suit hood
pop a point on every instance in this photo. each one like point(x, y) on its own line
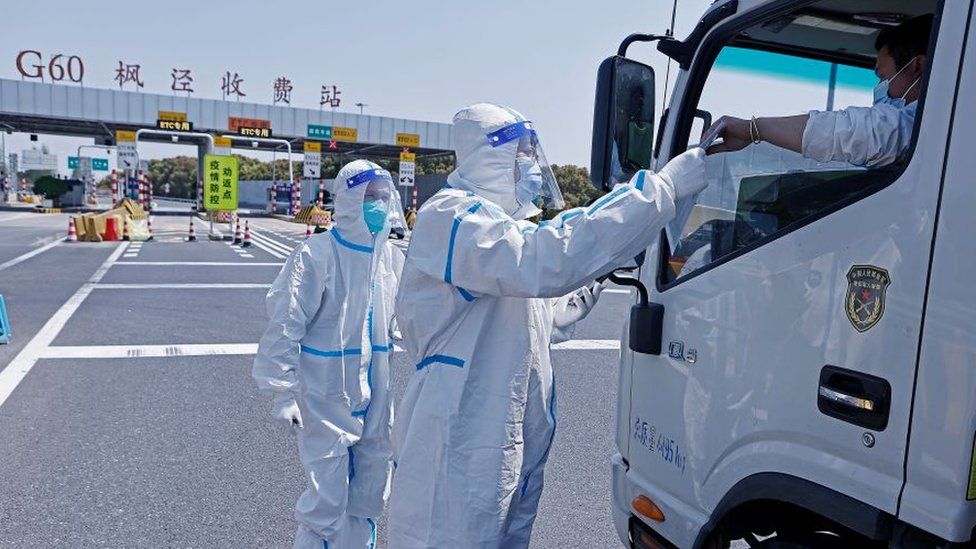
point(485, 168)
point(348, 198)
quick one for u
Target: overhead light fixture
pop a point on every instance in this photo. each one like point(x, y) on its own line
point(878, 18)
point(832, 25)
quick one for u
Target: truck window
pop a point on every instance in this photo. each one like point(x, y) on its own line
point(762, 191)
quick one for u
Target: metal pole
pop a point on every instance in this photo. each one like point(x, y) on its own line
point(209, 140)
point(831, 86)
point(3, 167)
point(270, 140)
point(90, 166)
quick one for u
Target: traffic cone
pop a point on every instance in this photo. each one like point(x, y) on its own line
point(247, 235)
point(111, 230)
point(125, 228)
point(237, 232)
point(149, 226)
point(72, 235)
point(308, 230)
point(191, 237)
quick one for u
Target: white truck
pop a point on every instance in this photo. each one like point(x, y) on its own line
point(800, 367)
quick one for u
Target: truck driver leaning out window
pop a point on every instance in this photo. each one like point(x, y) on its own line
point(863, 136)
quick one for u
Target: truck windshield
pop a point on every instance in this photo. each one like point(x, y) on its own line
point(759, 190)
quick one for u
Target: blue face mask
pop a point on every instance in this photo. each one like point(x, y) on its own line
point(881, 91)
point(375, 213)
point(530, 181)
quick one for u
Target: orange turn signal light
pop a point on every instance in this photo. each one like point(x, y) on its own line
point(647, 508)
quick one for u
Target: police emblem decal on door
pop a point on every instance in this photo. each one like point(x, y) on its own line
point(864, 302)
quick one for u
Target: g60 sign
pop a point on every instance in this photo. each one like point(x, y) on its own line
point(58, 67)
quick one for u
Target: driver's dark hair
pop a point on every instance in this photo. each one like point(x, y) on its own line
point(906, 41)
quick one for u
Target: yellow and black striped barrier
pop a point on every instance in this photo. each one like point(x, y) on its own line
point(313, 215)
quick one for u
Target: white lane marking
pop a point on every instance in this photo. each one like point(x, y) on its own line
point(30, 254)
point(272, 247)
point(14, 216)
point(130, 255)
point(203, 263)
point(615, 291)
point(276, 233)
point(150, 351)
point(240, 251)
point(207, 349)
point(272, 242)
point(179, 286)
point(258, 244)
point(587, 345)
point(273, 251)
point(21, 365)
point(268, 241)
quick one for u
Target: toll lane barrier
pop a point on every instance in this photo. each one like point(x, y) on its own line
point(313, 215)
point(128, 215)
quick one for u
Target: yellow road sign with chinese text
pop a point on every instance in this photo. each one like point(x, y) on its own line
point(220, 182)
point(345, 134)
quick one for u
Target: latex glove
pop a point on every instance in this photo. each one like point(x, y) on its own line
point(685, 173)
point(571, 308)
point(285, 409)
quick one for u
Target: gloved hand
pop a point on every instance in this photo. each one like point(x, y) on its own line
point(573, 307)
point(285, 409)
point(685, 173)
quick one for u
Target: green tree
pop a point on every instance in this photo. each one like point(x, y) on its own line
point(575, 185)
point(437, 164)
point(180, 172)
point(50, 188)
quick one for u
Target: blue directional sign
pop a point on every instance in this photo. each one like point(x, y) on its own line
point(72, 162)
point(100, 164)
point(319, 132)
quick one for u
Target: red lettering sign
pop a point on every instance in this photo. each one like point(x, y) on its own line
point(57, 70)
point(234, 123)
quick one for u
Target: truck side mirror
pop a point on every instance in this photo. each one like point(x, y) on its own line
point(623, 121)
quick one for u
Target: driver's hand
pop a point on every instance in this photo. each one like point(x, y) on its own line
point(734, 133)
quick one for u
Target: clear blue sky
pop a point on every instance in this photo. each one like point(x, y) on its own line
point(420, 60)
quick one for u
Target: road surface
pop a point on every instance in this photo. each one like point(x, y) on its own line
point(128, 417)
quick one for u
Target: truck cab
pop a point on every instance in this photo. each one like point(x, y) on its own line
point(800, 367)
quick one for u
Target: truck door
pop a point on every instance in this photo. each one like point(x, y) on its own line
point(793, 293)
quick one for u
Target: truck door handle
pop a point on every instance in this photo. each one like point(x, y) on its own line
point(846, 399)
point(855, 397)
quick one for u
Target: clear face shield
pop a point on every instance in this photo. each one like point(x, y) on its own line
point(381, 206)
point(396, 217)
point(534, 181)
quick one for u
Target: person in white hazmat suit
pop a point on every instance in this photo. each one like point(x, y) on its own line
point(478, 306)
point(325, 358)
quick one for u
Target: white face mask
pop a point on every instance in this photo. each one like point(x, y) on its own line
point(881, 90)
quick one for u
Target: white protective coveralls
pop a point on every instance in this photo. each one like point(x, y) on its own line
point(478, 418)
point(327, 347)
point(863, 136)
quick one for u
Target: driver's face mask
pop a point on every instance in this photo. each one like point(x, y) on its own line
point(881, 90)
